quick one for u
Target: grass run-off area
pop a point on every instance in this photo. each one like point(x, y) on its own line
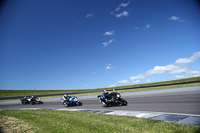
point(51, 121)
point(6, 93)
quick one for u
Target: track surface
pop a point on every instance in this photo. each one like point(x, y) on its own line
point(181, 100)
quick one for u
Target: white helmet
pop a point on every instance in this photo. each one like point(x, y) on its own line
point(105, 92)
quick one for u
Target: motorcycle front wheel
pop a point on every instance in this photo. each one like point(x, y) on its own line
point(124, 102)
point(80, 104)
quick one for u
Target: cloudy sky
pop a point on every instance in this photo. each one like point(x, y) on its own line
point(81, 44)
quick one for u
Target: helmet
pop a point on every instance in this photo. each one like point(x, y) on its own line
point(65, 95)
point(105, 92)
point(25, 97)
point(32, 96)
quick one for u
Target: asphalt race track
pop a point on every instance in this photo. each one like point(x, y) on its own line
point(180, 100)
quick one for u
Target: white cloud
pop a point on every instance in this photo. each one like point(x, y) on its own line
point(124, 13)
point(118, 13)
point(136, 81)
point(174, 18)
point(113, 85)
point(175, 68)
point(148, 80)
point(109, 33)
point(89, 15)
point(125, 4)
point(177, 77)
point(191, 59)
point(109, 66)
point(107, 43)
point(146, 27)
point(122, 5)
point(183, 61)
point(193, 73)
point(118, 8)
point(162, 69)
point(180, 70)
point(123, 81)
point(139, 76)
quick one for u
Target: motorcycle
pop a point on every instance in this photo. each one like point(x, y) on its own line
point(25, 100)
point(114, 99)
point(32, 100)
point(72, 101)
point(35, 100)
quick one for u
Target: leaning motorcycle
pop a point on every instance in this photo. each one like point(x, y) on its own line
point(25, 100)
point(73, 101)
point(32, 100)
point(114, 100)
point(36, 100)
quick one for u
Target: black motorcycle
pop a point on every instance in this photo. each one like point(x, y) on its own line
point(113, 99)
point(31, 100)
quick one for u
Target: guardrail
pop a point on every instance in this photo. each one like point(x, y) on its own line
point(47, 95)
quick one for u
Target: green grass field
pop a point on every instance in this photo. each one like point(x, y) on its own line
point(5, 93)
point(50, 121)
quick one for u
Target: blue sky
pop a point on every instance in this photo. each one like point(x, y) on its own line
point(81, 44)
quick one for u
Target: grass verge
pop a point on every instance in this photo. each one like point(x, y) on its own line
point(50, 121)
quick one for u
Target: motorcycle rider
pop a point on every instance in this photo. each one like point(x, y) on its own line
point(32, 97)
point(25, 98)
point(66, 98)
point(108, 97)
